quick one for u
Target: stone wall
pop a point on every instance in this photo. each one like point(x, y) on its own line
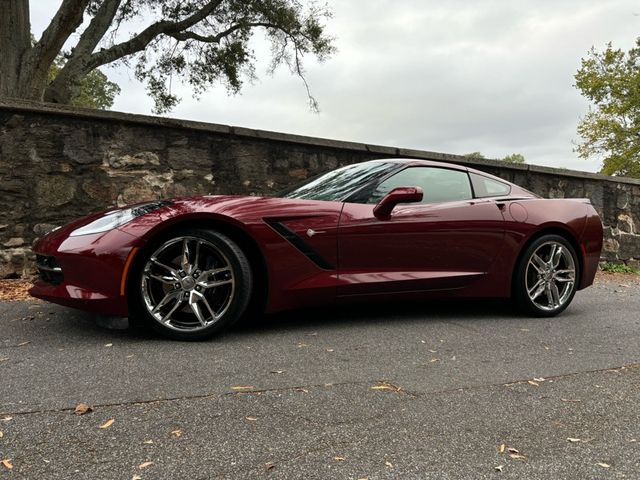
point(59, 163)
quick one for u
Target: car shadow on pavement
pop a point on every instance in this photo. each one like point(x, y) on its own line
point(361, 315)
point(355, 316)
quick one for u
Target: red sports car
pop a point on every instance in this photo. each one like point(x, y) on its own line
point(381, 230)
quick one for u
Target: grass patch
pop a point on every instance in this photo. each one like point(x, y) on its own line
point(618, 268)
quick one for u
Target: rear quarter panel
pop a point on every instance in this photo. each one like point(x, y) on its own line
point(526, 219)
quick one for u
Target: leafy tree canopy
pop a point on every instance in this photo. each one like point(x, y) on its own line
point(610, 80)
point(95, 89)
point(513, 158)
point(198, 42)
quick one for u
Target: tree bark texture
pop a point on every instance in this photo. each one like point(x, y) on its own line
point(15, 42)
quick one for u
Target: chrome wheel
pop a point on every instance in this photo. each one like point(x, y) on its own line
point(187, 284)
point(550, 276)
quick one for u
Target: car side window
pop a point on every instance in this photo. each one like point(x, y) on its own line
point(488, 187)
point(438, 184)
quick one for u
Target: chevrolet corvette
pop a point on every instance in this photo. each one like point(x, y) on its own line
point(383, 230)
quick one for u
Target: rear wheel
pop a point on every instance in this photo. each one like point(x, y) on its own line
point(192, 285)
point(546, 278)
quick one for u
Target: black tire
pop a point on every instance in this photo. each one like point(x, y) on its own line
point(527, 276)
point(144, 289)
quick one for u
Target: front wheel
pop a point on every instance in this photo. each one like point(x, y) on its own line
point(546, 277)
point(192, 285)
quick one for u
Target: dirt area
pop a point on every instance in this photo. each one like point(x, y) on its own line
point(625, 278)
point(14, 290)
point(17, 289)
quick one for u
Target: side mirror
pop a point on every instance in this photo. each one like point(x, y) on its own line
point(398, 195)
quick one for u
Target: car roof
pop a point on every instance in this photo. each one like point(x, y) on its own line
point(431, 163)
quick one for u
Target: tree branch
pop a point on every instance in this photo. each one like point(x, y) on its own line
point(96, 29)
point(66, 20)
point(68, 78)
point(187, 35)
point(140, 41)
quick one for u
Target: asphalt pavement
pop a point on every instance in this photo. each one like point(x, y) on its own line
point(454, 390)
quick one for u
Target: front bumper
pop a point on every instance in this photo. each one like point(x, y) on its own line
point(86, 272)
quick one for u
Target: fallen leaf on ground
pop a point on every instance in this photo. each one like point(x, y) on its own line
point(251, 419)
point(539, 379)
point(603, 465)
point(498, 468)
point(303, 390)
point(107, 424)
point(24, 343)
point(531, 382)
point(242, 387)
point(389, 464)
point(109, 345)
point(82, 408)
point(6, 463)
point(517, 456)
point(433, 360)
point(501, 448)
point(329, 349)
point(177, 433)
point(6, 419)
point(513, 450)
point(433, 351)
point(386, 386)
point(277, 371)
point(339, 459)
point(4, 359)
point(301, 345)
point(579, 440)
point(148, 442)
point(136, 477)
point(269, 465)
point(11, 289)
point(145, 465)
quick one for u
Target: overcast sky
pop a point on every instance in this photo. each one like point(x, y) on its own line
point(494, 76)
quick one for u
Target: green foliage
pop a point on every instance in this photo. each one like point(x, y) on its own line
point(618, 268)
point(218, 50)
point(513, 158)
point(95, 90)
point(611, 129)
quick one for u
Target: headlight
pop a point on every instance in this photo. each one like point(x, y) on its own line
point(117, 218)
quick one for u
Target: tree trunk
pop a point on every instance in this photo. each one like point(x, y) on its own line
point(15, 42)
point(64, 87)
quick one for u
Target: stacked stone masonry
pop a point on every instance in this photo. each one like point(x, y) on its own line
point(60, 163)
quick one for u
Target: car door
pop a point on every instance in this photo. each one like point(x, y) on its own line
point(447, 241)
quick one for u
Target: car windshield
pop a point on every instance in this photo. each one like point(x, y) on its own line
point(338, 184)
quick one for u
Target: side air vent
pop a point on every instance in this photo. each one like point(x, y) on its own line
point(49, 270)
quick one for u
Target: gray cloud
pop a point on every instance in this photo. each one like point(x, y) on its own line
point(493, 76)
